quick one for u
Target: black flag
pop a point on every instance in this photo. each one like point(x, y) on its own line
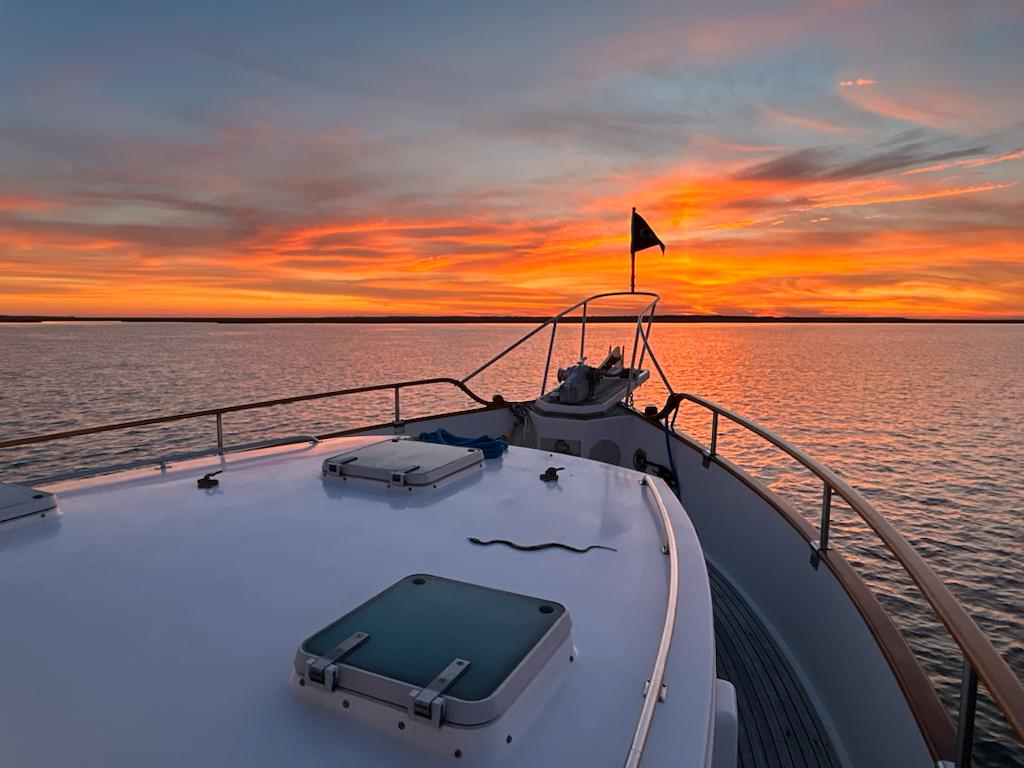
point(642, 236)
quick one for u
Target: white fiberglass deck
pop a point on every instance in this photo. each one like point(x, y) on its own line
point(153, 623)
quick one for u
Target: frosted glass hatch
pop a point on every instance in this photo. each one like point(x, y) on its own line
point(444, 650)
point(403, 462)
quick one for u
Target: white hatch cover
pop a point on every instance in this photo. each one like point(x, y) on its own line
point(403, 462)
point(20, 500)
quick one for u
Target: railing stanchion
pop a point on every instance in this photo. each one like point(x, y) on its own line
point(965, 723)
point(636, 343)
point(647, 335)
point(220, 431)
point(661, 373)
point(547, 364)
point(583, 330)
point(398, 405)
point(627, 399)
point(714, 433)
point(826, 516)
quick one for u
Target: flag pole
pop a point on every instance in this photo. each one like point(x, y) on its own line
point(641, 237)
point(632, 256)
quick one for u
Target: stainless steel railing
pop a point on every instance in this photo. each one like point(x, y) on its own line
point(645, 316)
point(218, 414)
point(164, 460)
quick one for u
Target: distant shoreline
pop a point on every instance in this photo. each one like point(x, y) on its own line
point(509, 319)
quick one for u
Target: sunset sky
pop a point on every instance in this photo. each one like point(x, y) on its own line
point(287, 158)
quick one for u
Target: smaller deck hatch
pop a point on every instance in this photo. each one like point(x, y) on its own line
point(443, 650)
point(403, 462)
point(20, 501)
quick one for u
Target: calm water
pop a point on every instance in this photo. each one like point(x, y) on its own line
point(927, 421)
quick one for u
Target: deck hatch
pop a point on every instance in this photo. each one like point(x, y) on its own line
point(402, 462)
point(443, 650)
point(20, 501)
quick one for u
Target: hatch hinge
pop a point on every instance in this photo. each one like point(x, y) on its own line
point(427, 702)
point(398, 476)
point(323, 670)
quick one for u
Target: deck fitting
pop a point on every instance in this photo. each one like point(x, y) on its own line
point(550, 475)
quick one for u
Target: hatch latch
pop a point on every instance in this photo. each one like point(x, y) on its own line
point(323, 670)
point(427, 702)
point(398, 476)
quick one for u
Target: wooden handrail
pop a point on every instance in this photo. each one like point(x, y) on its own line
point(395, 386)
point(993, 671)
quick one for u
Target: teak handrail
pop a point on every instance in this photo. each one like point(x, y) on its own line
point(985, 661)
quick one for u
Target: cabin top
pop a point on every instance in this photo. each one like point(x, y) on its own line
point(163, 623)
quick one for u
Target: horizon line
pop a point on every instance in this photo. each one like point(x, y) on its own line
point(508, 319)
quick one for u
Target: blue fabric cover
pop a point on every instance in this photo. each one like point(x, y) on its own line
point(492, 447)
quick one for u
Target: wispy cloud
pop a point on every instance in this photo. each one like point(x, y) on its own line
point(830, 163)
point(805, 122)
point(910, 196)
point(860, 82)
point(977, 162)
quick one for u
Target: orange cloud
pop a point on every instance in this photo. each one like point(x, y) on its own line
point(25, 203)
point(976, 162)
point(910, 196)
point(736, 243)
point(713, 143)
point(803, 121)
point(859, 82)
point(976, 110)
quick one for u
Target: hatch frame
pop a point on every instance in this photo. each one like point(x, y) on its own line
point(431, 703)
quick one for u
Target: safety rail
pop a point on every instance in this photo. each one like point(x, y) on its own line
point(981, 660)
point(218, 414)
point(644, 317)
point(163, 460)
